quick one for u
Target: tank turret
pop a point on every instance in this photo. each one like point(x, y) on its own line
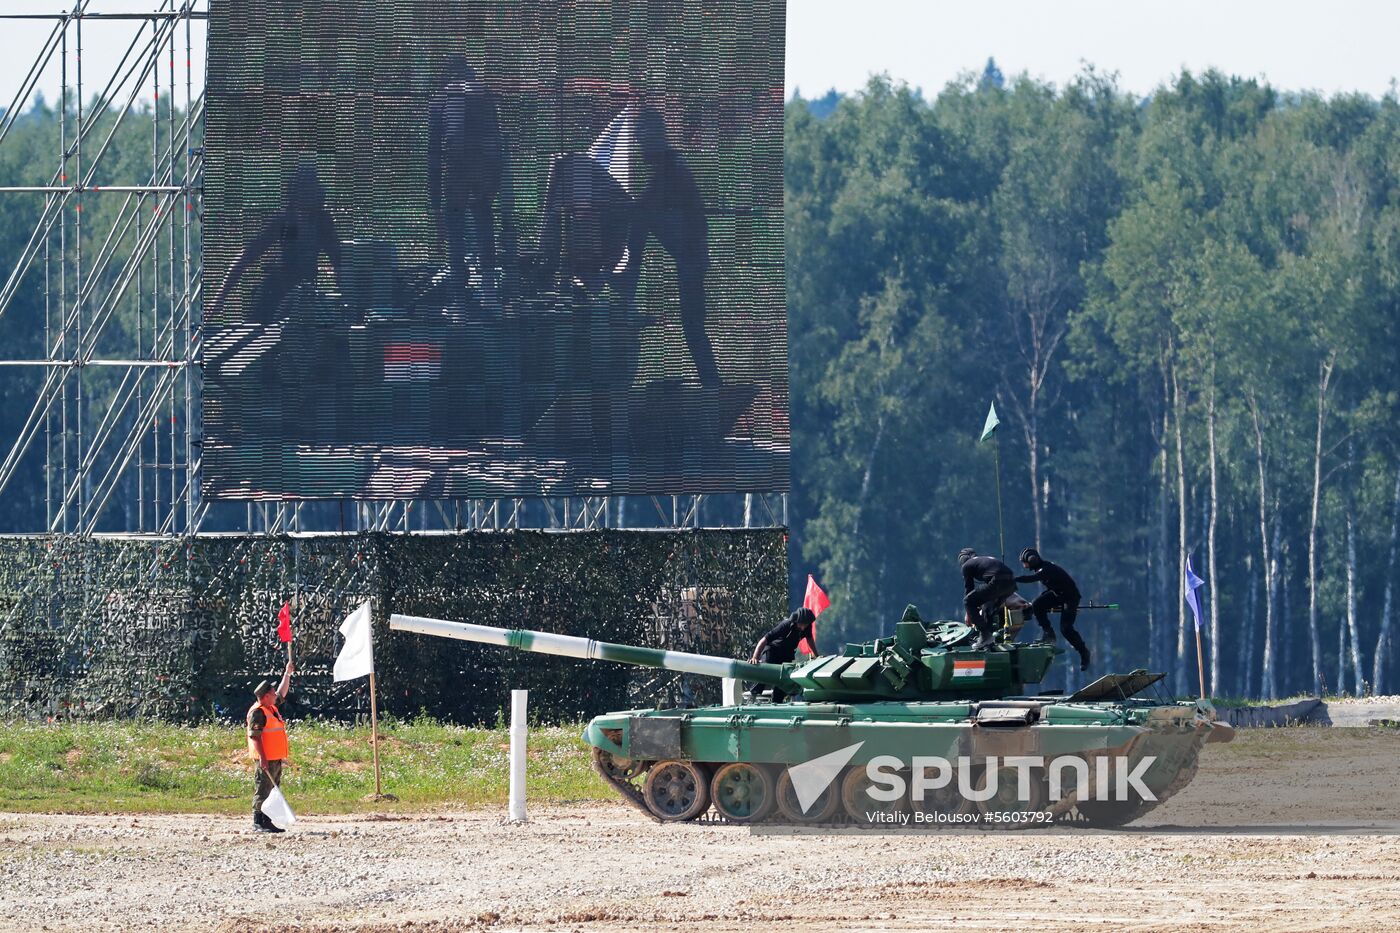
point(920, 661)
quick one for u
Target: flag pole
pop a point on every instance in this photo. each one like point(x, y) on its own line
point(1190, 584)
point(1200, 663)
point(1001, 527)
point(374, 731)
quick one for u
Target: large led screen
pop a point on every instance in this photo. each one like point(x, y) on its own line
point(493, 248)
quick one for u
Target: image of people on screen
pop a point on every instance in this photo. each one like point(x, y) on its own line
point(604, 207)
point(466, 165)
point(287, 250)
point(671, 211)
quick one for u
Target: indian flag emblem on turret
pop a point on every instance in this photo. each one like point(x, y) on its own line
point(969, 668)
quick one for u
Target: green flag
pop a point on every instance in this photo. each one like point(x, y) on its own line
point(990, 427)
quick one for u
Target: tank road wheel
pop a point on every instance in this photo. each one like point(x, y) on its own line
point(860, 805)
point(743, 792)
point(677, 790)
point(621, 775)
point(1008, 799)
point(936, 802)
point(821, 810)
point(618, 769)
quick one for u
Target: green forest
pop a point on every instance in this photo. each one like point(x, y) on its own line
point(1183, 307)
point(1185, 310)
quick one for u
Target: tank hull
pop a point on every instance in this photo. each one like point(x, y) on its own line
point(1156, 743)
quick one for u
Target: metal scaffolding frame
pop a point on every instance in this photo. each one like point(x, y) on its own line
point(143, 262)
point(117, 407)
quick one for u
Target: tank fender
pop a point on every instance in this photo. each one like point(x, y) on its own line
point(607, 734)
point(1220, 732)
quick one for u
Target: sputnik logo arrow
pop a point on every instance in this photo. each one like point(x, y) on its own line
point(811, 778)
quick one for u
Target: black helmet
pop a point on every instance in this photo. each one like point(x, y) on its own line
point(651, 132)
point(457, 70)
point(304, 188)
point(1030, 556)
point(965, 555)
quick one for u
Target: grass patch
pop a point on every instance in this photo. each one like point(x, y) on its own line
point(133, 767)
point(1238, 702)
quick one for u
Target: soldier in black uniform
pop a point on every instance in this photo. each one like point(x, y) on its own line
point(1060, 592)
point(289, 247)
point(779, 645)
point(466, 167)
point(672, 210)
point(987, 582)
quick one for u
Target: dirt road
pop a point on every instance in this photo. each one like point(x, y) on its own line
point(604, 867)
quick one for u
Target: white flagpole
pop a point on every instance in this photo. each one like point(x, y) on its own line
point(356, 659)
point(374, 733)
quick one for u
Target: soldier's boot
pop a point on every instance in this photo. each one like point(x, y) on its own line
point(262, 823)
point(1047, 636)
point(1076, 642)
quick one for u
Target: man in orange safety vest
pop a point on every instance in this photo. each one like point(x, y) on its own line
point(267, 743)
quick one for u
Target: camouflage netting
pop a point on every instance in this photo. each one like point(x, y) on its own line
point(182, 629)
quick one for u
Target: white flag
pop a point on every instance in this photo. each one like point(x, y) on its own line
point(276, 808)
point(615, 149)
point(356, 658)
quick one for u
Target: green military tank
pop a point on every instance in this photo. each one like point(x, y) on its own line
point(919, 710)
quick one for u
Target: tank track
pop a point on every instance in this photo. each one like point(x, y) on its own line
point(625, 786)
point(1183, 777)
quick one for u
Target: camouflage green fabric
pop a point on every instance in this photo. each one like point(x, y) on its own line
point(182, 629)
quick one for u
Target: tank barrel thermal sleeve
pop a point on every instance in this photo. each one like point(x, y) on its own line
point(587, 649)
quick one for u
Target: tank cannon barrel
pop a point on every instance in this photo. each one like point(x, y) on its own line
point(571, 646)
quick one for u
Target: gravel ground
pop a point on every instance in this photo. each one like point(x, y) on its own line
point(1266, 866)
point(604, 867)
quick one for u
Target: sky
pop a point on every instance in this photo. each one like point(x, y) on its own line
point(1340, 46)
point(1337, 47)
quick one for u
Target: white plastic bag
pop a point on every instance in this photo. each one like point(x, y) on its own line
point(275, 808)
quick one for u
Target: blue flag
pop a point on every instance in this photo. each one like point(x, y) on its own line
point(1191, 584)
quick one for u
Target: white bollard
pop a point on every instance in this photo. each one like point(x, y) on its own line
point(518, 700)
point(731, 691)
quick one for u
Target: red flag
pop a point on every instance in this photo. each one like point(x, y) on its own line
point(816, 601)
point(284, 622)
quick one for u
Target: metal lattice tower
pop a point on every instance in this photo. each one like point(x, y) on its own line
point(132, 438)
